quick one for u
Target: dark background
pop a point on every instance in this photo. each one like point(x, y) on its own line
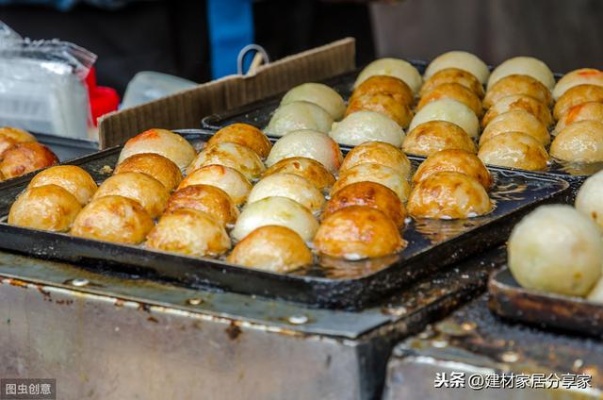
point(171, 36)
point(564, 34)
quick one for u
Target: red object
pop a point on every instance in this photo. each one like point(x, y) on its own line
point(102, 99)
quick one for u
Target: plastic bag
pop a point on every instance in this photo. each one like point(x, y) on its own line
point(42, 85)
point(7, 35)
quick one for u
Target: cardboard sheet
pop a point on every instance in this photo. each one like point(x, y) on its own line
point(186, 109)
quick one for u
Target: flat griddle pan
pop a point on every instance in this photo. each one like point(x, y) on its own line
point(330, 283)
point(544, 310)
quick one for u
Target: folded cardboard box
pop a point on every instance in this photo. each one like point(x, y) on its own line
point(186, 109)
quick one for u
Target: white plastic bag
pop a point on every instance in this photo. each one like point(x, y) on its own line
point(42, 86)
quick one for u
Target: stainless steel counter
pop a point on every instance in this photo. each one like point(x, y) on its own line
point(112, 336)
point(511, 361)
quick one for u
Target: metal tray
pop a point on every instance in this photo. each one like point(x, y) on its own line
point(67, 148)
point(545, 310)
point(330, 283)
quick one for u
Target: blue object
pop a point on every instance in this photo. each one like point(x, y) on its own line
point(230, 29)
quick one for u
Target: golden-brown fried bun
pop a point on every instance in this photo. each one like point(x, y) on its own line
point(18, 134)
point(114, 219)
point(228, 179)
point(307, 143)
point(516, 121)
point(367, 126)
point(209, 199)
point(144, 189)
point(271, 248)
point(292, 186)
point(319, 94)
point(459, 59)
point(575, 96)
point(386, 85)
point(519, 102)
point(579, 142)
point(25, 157)
point(358, 232)
point(190, 232)
point(160, 141)
point(48, 207)
point(159, 167)
point(369, 194)
point(448, 110)
point(246, 135)
point(455, 160)
point(433, 136)
point(380, 153)
point(454, 91)
point(298, 115)
point(10, 136)
point(448, 195)
point(523, 66)
point(72, 178)
point(453, 75)
point(305, 167)
point(232, 155)
point(582, 76)
point(398, 68)
point(518, 84)
point(589, 200)
point(589, 111)
point(383, 104)
point(514, 150)
point(276, 210)
point(1, 176)
point(377, 173)
point(556, 249)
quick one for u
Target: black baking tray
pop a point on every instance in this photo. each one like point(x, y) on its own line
point(545, 310)
point(330, 283)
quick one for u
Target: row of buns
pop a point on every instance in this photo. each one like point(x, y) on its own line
point(391, 101)
point(523, 114)
point(276, 206)
point(287, 201)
